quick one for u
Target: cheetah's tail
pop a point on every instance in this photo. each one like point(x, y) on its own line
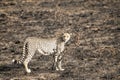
point(14, 61)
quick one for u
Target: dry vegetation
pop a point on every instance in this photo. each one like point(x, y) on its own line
point(93, 53)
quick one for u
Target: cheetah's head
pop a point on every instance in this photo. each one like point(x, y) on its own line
point(66, 37)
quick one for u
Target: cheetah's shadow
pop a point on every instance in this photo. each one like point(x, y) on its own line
point(8, 67)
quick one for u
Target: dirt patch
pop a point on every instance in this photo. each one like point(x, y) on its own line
point(91, 54)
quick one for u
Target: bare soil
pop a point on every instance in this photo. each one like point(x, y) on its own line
point(93, 53)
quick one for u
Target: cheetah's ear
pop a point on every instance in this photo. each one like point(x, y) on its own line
point(68, 33)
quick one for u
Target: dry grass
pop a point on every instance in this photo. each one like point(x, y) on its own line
point(91, 54)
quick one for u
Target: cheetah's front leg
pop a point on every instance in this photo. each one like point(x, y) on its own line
point(57, 63)
point(60, 63)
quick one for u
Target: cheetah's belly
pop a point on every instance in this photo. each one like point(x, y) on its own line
point(47, 48)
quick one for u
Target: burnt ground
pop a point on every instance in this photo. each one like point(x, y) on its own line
point(93, 53)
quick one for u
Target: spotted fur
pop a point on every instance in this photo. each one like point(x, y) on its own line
point(44, 47)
